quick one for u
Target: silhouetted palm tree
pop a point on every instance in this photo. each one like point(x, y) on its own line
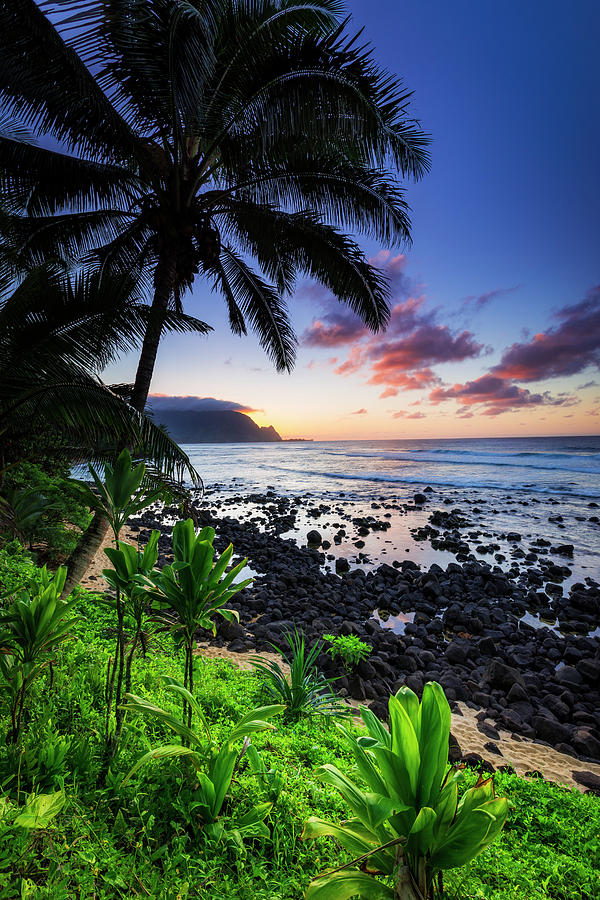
point(57, 332)
point(194, 135)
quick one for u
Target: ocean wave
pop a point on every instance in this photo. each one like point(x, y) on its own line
point(563, 488)
point(475, 460)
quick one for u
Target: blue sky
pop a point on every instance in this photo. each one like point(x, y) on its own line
point(509, 92)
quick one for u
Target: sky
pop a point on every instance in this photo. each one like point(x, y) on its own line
point(495, 326)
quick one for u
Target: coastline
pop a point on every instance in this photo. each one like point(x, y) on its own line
point(521, 695)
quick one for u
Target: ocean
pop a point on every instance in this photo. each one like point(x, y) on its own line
point(540, 487)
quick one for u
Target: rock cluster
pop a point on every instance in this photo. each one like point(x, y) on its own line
point(470, 630)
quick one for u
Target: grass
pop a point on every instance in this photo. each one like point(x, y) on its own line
point(139, 841)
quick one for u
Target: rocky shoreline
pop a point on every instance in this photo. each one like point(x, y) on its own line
point(469, 628)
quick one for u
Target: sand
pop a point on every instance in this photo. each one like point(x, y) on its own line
point(524, 755)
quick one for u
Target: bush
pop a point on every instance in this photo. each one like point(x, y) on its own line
point(61, 524)
point(350, 649)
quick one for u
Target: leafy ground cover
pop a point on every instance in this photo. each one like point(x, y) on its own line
point(141, 839)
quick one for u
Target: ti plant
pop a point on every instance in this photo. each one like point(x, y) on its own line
point(305, 690)
point(31, 627)
point(195, 588)
point(120, 496)
point(408, 824)
point(214, 766)
point(130, 567)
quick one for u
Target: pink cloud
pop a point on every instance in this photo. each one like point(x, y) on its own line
point(389, 392)
point(353, 363)
point(571, 347)
point(426, 346)
point(403, 414)
point(333, 329)
point(359, 412)
point(497, 395)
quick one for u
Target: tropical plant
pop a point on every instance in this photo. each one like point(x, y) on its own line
point(38, 811)
point(195, 588)
point(214, 765)
point(409, 824)
point(350, 649)
point(31, 627)
point(181, 155)
point(129, 563)
point(123, 493)
point(57, 332)
point(192, 137)
point(305, 690)
point(21, 512)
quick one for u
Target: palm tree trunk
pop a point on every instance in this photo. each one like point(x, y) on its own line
point(164, 282)
point(84, 552)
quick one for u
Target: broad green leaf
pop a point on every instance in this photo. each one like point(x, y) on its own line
point(39, 810)
point(346, 885)
point(165, 752)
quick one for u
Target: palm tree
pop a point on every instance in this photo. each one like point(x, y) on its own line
point(57, 332)
point(186, 137)
point(192, 136)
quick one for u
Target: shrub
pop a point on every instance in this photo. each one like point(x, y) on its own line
point(30, 628)
point(409, 824)
point(214, 766)
point(196, 589)
point(305, 690)
point(350, 649)
point(63, 513)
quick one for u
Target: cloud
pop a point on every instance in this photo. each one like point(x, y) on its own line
point(353, 363)
point(497, 395)
point(403, 414)
point(414, 341)
point(567, 349)
point(588, 384)
point(475, 303)
point(407, 362)
point(359, 412)
point(191, 403)
point(333, 329)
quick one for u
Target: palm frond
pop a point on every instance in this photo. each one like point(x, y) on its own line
point(262, 306)
point(47, 87)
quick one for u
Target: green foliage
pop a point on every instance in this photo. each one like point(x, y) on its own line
point(213, 765)
point(31, 627)
point(195, 588)
point(21, 512)
point(350, 649)
point(143, 839)
point(40, 810)
point(131, 567)
point(121, 494)
point(17, 569)
point(65, 514)
point(305, 690)
point(409, 824)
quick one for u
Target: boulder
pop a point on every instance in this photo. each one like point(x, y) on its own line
point(498, 675)
point(585, 743)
